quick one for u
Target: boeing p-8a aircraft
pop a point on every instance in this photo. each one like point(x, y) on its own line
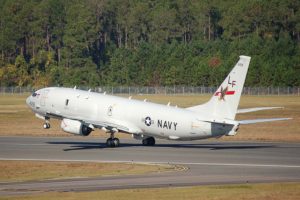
point(83, 111)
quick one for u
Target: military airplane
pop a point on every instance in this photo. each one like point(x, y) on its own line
point(81, 112)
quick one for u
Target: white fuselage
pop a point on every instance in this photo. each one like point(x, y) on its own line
point(140, 118)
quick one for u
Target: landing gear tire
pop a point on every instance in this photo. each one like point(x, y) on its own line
point(116, 142)
point(112, 142)
point(46, 126)
point(150, 141)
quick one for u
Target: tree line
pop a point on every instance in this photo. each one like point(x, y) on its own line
point(147, 42)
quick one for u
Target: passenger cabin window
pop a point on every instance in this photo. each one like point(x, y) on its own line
point(67, 102)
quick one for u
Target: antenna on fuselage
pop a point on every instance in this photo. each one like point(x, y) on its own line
point(169, 103)
point(145, 100)
point(75, 87)
point(89, 90)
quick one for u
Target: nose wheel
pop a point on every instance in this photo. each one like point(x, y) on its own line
point(46, 125)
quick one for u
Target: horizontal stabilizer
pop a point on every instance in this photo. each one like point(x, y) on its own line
point(247, 110)
point(254, 121)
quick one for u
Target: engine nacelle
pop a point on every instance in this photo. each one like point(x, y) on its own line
point(75, 127)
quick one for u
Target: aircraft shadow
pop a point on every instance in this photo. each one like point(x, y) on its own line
point(81, 145)
point(210, 146)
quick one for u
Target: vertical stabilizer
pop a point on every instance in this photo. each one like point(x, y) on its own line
point(225, 101)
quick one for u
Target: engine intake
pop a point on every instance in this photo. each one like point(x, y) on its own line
point(75, 127)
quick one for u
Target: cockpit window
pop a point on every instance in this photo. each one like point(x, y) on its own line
point(34, 94)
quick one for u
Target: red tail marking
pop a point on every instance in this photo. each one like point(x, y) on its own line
point(227, 93)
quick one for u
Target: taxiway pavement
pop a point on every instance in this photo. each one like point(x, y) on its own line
point(207, 162)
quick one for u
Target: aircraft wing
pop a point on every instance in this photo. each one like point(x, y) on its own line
point(246, 110)
point(109, 125)
point(254, 121)
point(119, 125)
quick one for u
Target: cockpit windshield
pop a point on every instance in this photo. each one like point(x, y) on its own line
point(34, 94)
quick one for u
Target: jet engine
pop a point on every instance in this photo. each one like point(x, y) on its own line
point(75, 127)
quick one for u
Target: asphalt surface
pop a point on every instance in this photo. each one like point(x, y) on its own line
point(207, 162)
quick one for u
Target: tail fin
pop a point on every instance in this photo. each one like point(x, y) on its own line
point(225, 101)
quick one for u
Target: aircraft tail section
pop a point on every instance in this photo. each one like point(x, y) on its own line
point(225, 101)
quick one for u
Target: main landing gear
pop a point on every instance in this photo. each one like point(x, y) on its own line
point(150, 141)
point(115, 142)
point(112, 141)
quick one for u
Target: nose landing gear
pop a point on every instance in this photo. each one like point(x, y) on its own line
point(46, 125)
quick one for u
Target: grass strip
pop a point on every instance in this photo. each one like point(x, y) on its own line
point(269, 191)
point(40, 170)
